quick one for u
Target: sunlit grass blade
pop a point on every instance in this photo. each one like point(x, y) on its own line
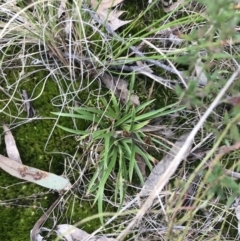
point(140, 125)
point(136, 127)
point(84, 110)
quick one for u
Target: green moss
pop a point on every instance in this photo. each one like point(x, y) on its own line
point(17, 222)
point(38, 149)
point(77, 210)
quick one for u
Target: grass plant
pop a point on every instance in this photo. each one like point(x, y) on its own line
point(116, 135)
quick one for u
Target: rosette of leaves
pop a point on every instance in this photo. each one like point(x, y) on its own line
point(117, 134)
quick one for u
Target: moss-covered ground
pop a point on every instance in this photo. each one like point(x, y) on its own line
point(23, 203)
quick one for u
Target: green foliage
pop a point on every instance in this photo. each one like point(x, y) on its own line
point(118, 132)
point(218, 181)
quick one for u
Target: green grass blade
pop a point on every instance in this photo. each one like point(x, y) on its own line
point(158, 113)
point(137, 126)
point(132, 118)
point(99, 134)
point(100, 205)
point(140, 125)
point(109, 111)
point(131, 86)
point(126, 143)
point(132, 161)
point(83, 110)
point(77, 132)
point(115, 104)
point(106, 150)
point(100, 192)
point(85, 116)
point(159, 142)
point(123, 119)
point(144, 105)
point(132, 82)
point(139, 173)
point(148, 158)
point(124, 178)
point(91, 185)
point(119, 182)
point(127, 117)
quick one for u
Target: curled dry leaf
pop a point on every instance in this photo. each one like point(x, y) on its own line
point(108, 16)
point(31, 174)
point(162, 166)
point(71, 233)
point(11, 147)
point(120, 89)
